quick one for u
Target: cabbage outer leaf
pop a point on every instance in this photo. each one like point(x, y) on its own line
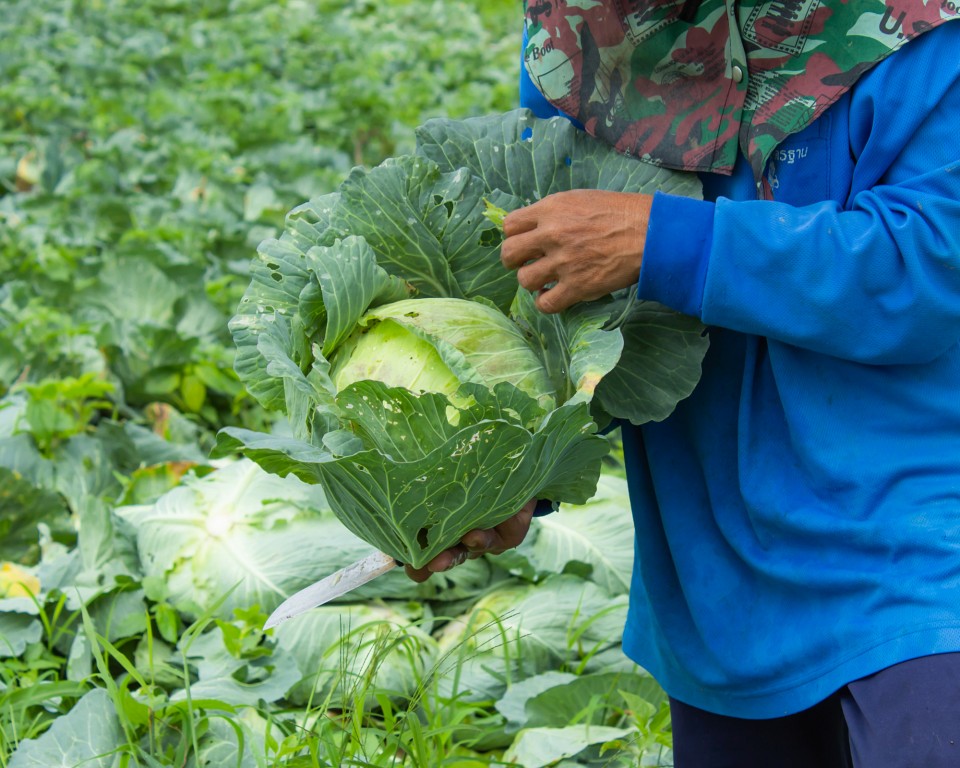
point(596, 537)
point(236, 538)
point(427, 227)
point(420, 482)
point(90, 734)
point(661, 358)
point(530, 158)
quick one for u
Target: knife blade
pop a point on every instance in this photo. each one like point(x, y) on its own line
point(336, 584)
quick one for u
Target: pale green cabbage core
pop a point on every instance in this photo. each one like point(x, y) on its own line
point(434, 344)
point(388, 352)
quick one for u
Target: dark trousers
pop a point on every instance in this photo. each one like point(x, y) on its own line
point(907, 716)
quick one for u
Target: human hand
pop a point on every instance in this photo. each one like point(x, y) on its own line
point(500, 538)
point(587, 242)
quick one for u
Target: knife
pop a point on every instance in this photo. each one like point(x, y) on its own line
point(336, 584)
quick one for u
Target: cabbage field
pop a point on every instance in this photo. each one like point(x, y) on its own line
point(165, 166)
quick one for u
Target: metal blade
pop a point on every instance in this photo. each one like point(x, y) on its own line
point(334, 585)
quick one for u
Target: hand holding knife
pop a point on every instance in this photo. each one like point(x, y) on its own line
point(333, 586)
point(506, 535)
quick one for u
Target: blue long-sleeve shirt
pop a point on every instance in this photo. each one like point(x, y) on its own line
point(798, 516)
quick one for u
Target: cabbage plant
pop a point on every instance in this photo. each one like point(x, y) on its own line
point(236, 538)
point(424, 390)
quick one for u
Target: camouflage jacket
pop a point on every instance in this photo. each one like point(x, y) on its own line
point(686, 83)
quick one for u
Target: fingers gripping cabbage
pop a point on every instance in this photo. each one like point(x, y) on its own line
point(423, 389)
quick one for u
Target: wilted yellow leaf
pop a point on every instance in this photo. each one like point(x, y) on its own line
point(28, 172)
point(16, 582)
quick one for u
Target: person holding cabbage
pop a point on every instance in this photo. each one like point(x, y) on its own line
point(797, 581)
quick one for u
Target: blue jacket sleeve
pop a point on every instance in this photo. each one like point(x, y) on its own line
point(872, 275)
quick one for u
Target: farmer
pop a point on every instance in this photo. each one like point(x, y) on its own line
point(797, 581)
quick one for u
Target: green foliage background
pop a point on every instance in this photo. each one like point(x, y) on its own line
point(158, 142)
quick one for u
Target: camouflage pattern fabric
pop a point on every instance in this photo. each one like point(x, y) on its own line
point(685, 83)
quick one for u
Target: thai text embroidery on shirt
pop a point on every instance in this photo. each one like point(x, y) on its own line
point(790, 156)
point(783, 157)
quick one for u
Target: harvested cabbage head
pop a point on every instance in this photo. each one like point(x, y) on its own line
point(424, 390)
point(422, 418)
